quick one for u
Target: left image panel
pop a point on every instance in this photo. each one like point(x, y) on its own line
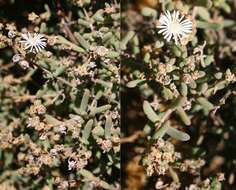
point(59, 95)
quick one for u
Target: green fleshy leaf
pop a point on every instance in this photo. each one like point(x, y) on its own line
point(108, 126)
point(150, 113)
point(87, 131)
point(84, 102)
point(184, 117)
point(176, 134)
point(134, 83)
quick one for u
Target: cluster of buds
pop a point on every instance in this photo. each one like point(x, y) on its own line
point(160, 157)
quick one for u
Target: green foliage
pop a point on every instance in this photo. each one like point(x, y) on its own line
point(59, 106)
point(182, 86)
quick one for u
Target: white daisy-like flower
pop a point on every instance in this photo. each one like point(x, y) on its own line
point(33, 42)
point(174, 26)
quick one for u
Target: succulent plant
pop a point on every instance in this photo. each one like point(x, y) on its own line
point(177, 58)
point(60, 125)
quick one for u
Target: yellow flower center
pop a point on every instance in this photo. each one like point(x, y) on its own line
point(174, 27)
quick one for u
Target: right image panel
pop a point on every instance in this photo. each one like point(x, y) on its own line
point(178, 95)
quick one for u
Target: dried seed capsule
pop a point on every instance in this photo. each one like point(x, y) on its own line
point(16, 58)
point(24, 64)
point(11, 34)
